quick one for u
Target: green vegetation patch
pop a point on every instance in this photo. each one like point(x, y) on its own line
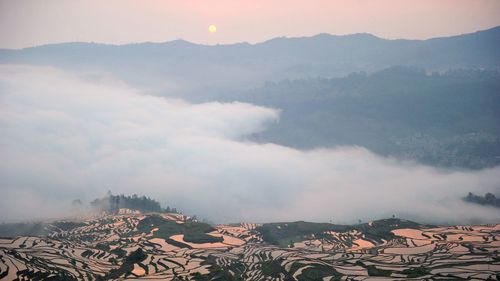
point(230, 272)
point(195, 232)
point(283, 234)
point(317, 272)
point(415, 272)
point(127, 266)
point(87, 253)
point(43, 275)
point(272, 268)
point(166, 228)
point(68, 225)
point(119, 252)
point(381, 229)
point(374, 271)
point(103, 247)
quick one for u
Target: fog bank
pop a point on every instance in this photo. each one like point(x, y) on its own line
point(63, 137)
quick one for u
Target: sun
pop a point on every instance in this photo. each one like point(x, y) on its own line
point(212, 28)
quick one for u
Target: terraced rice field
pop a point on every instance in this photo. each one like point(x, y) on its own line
point(117, 247)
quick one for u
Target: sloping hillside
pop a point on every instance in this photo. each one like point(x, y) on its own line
point(174, 247)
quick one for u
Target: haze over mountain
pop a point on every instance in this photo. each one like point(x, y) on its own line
point(185, 69)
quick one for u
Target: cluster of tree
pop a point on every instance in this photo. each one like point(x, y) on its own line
point(112, 203)
point(489, 199)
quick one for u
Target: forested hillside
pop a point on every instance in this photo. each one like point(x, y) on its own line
point(448, 119)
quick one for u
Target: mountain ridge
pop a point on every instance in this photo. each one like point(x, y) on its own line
point(193, 68)
point(319, 35)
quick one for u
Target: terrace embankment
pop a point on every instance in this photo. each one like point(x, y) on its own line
point(163, 246)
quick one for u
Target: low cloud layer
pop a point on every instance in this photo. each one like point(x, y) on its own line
point(63, 137)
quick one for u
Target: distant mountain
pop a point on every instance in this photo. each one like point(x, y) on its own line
point(180, 67)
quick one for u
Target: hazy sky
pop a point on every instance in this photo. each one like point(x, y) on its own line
point(26, 23)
